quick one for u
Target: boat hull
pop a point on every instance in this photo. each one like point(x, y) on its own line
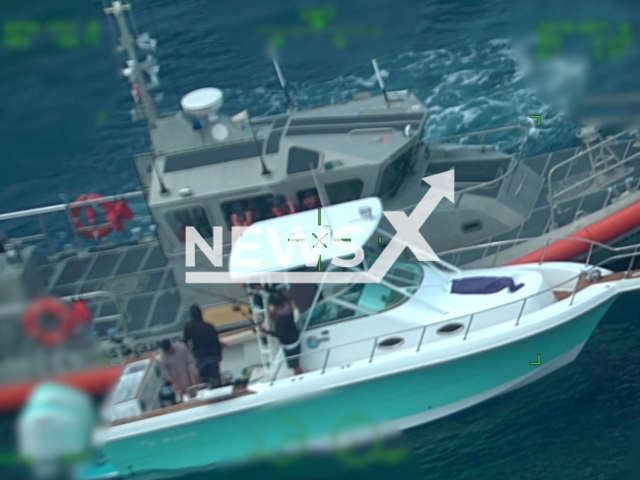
point(355, 411)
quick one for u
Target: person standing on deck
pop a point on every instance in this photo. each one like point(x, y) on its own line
point(286, 330)
point(178, 366)
point(202, 339)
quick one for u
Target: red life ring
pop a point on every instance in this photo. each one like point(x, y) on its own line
point(94, 233)
point(54, 307)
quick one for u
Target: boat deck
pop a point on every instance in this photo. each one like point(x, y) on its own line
point(584, 282)
point(138, 275)
point(238, 391)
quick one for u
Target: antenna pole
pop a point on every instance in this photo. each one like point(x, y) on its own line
point(265, 170)
point(117, 9)
point(163, 188)
point(380, 82)
point(283, 83)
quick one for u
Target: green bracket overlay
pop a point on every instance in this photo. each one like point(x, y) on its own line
point(608, 41)
point(315, 23)
point(68, 34)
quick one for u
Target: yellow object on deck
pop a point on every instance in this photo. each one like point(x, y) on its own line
point(222, 315)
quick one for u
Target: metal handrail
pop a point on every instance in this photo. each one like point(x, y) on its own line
point(103, 294)
point(581, 154)
point(481, 186)
point(471, 316)
point(525, 239)
point(584, 154)
point(61, 207)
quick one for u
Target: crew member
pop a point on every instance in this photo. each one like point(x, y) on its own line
point(240, 217)
point(282, 206)
point(178, 366)
point(286, 331)
point(311, 201)
point(202, 338)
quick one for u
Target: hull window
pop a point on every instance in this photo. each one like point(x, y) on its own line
point(308, 199)
point(196, 217)
point(470, 227)
point(344, 191)
point(391, 342)
point(302, 160)
point(450, 329)
point(255, 208)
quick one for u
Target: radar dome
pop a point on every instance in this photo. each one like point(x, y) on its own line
point(202, 102)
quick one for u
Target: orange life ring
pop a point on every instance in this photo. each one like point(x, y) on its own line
point(97, 232)
point(54, 307)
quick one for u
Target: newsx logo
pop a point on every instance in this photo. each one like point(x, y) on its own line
point(407, 235)
point(311, 256)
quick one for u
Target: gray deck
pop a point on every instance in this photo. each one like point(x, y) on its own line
point(139, 275)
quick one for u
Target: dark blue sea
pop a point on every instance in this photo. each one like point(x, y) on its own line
point(65, 129)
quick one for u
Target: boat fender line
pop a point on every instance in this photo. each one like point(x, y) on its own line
point(54, 307)
point(602, 231)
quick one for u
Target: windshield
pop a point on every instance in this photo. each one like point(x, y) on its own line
point(341, 302)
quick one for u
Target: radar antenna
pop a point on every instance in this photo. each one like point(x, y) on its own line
point(380, 82)
point(283, 82)
point(140, 88)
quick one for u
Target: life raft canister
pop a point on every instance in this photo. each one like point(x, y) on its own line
point(54, 307)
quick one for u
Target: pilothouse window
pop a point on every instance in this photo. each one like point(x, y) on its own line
point(195, 217)
point(344, 191)
point(260, 208)
point(394, 173)
point(302, 160)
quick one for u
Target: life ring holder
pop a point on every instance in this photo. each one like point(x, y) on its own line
point(92, 233)
point(54, 307)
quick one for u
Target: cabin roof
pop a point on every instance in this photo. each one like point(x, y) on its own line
point(333, 216)
point(349, 135)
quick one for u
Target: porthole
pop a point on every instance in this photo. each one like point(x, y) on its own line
point(450, 329)
point(391, 342)
point(470, 227)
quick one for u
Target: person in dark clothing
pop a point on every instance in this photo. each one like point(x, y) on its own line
point(202, 339)
point(286, 330)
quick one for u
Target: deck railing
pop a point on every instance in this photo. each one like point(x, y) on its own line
point(80, 242)
point(466, 321)
point(592, 173)
point(459, 194)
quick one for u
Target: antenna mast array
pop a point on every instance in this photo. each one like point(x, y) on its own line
point(140, 87)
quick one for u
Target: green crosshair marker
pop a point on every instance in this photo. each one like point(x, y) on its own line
point(535, 116)
point(536, 363)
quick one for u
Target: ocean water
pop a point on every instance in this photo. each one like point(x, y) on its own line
point(65, 129)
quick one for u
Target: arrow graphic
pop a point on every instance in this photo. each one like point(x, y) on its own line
point(407, 235)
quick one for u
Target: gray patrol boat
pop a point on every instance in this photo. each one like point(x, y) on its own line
point(202, 162)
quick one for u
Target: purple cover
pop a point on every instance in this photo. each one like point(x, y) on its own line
point(484, 285)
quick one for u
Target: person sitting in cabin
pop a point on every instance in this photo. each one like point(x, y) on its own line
point(286, 331)
point(241, 217)
point(282, 206)
point(177, 366)
point(311, 201)
point(202, 338)
point(182, 234)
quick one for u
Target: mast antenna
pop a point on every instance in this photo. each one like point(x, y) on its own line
point(140, 88)
point(380, 82)
point(283, 82)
